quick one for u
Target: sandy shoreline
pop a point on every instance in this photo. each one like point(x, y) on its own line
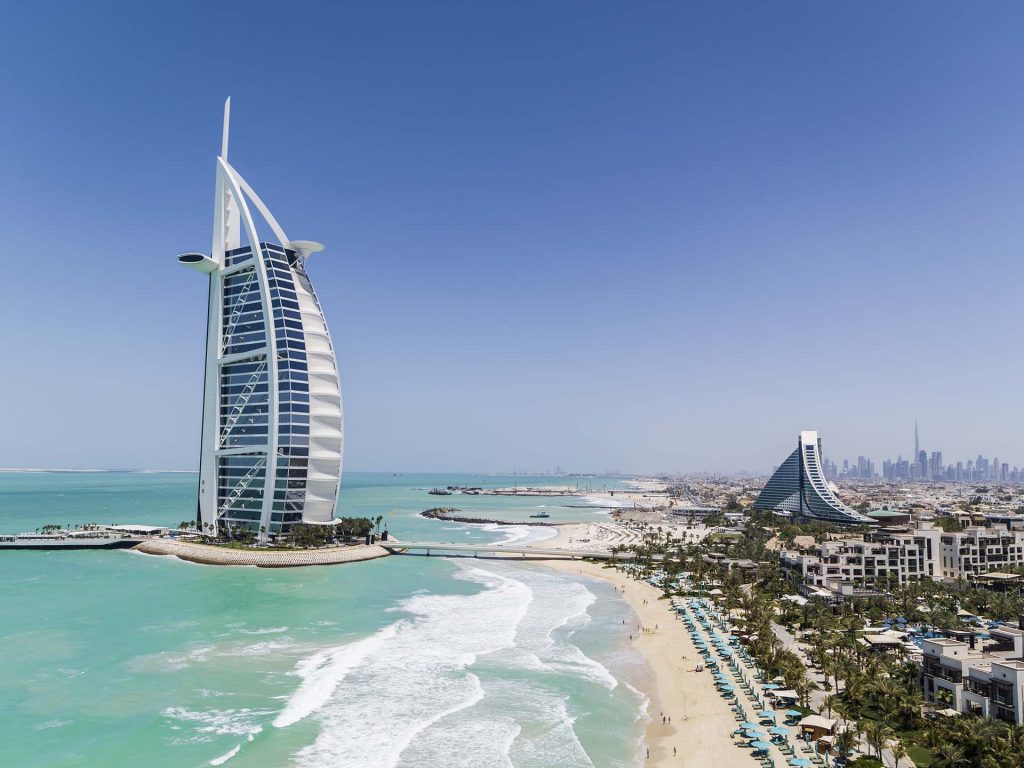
point(701, 719)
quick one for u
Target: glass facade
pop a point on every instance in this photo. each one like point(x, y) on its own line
point(798, 487)
point(273, 422)
point(248, 382)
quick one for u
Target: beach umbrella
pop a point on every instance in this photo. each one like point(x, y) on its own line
point(767, 714)
point(726, 687)
point(770, 686)
point(749, 726)
point(778, 730)
point(800, 762)
point(760, 746)
point(793, 713)
point(753, 733)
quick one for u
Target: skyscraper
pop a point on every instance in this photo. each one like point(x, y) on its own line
point(798, 487)
point(272, 413)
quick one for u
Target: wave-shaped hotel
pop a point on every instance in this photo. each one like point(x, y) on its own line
point(272, 429)
point(798, 488)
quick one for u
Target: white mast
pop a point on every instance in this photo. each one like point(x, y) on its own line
point(227, 123)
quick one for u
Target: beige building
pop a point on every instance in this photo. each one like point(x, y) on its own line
point(907, 554)
point(980, 550)
point(875, 557)
point(984, 678)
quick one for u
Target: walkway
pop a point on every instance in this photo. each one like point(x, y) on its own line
point(817, 697)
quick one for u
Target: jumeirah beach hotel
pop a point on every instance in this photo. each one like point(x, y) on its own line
point(272, 428)
point(798, 488)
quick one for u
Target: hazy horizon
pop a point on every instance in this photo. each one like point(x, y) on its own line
point(662, 238)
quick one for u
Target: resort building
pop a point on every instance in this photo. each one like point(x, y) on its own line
point(976, 677)
point(272, 414)
point(907, 554)
point(979, 550)
point(798, 488)
point(876, 558)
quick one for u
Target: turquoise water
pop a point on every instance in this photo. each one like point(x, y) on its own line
point(117, 658)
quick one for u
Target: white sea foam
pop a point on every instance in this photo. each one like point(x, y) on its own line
point(446, 686)
point(264, 648)
point(547, 737)
point(521, 534)
point(322, 672)
point(543, 638)
point(410, 681)
point(194, 656)
point(219, 722)
point(226, 756)
point(606, 501)
point(264, 631)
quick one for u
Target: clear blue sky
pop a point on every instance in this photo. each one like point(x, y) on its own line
point(638, 236)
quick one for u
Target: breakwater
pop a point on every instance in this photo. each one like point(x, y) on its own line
point(261, 558)
point(447, 514)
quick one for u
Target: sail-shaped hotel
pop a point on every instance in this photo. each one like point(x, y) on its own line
point(272, 428)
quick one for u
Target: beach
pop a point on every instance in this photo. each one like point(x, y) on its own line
point(701, 719)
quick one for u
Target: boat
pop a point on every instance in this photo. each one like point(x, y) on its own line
point(69, 540)
point(542, 513)
point(439, 492)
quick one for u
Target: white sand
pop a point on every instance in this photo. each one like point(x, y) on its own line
point(701, 719)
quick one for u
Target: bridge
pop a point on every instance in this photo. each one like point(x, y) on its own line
point(428, 548)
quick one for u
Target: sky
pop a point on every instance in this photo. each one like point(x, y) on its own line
point(638, 237)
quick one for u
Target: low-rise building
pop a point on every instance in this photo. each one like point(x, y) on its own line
point(977, 679)
point(903, 555)
point(979, 550)
point(876, 557)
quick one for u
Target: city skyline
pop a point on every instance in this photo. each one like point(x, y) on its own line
point(925, 465)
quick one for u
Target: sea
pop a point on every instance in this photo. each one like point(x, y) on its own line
point(115, 658)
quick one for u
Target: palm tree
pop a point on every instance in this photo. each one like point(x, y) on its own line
point(877, 735)
point(845, 742)
point(803, 688)
point(830, 701)
point(950, 755)
point(899, 751)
